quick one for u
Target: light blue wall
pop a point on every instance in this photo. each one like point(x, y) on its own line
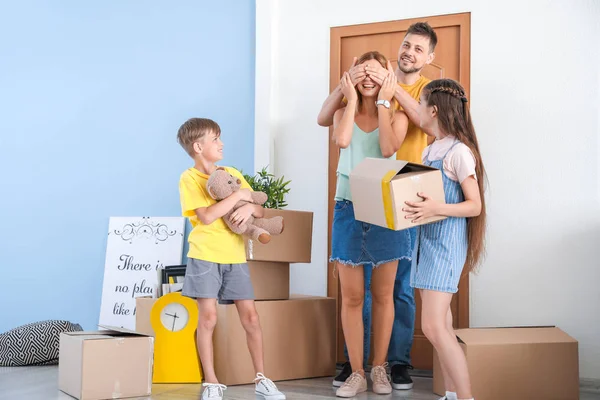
point(91, 96)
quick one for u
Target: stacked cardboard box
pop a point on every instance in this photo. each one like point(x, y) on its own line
point(298, 331)
point(270, 264)
point(294, 245)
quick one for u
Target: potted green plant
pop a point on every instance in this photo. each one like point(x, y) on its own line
point(295, 244)
point(276, 189)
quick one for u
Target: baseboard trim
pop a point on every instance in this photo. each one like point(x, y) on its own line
point(589, 385)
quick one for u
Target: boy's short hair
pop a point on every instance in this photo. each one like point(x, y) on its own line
point(424, 29)
point(195, 129)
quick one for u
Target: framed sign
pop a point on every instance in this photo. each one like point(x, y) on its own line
point(136, 249)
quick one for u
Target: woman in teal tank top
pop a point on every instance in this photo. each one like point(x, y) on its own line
point(366, 127)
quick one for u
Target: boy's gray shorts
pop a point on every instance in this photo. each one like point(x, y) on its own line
point(225, 282)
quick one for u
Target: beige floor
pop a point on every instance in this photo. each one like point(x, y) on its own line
point(40, 383)
point(33, 383)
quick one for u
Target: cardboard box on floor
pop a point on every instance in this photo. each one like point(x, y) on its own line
point(518, 363)
point(380, 188)
point(294, 245)
point(298, 336)
point(108, 364)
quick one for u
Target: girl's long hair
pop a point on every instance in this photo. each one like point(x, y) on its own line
point(454, 118)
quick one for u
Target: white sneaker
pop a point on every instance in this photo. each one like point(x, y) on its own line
point(213, 391)
point(266, 389)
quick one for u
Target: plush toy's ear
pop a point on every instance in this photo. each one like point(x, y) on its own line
point(220, 168)
point(210, 192)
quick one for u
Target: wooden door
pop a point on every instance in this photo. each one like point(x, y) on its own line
point(452, 60)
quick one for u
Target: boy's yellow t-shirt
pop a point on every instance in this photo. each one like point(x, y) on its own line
point(215, 242)
point(416, 140)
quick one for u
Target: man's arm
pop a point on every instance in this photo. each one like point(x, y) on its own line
point(409, 105)
point(330, 106)
point(335, 99)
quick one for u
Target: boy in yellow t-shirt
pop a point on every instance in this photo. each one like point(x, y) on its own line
point(217, 268)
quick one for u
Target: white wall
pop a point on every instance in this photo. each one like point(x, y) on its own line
point(535, 101)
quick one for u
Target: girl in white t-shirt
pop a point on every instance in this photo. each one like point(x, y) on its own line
point(446, 247)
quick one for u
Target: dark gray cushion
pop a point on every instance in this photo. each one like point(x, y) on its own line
point(33, 344)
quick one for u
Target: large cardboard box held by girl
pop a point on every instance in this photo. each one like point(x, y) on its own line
point(380, 188)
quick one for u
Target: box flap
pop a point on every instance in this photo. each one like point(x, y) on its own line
point(118, 330)
point(521, 335)
point(412, 167)
point(82, 333)
point(376, 167)
point(92, 336)
point(88, 335)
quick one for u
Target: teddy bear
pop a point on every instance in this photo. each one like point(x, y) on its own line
point(222, 184)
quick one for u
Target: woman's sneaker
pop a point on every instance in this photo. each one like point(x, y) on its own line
point(381, 381)
point(213, 391)
point(355, 384)
point(341, 378)
point(266, 389)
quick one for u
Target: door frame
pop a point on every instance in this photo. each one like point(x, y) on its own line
point(336, 35)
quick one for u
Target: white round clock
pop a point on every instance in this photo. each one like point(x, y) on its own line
point(174, 316)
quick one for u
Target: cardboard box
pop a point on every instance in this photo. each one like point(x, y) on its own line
point(298, 336)
point(107, 364)
point(518, 363)
point(294, 245)
point(271, 280)
point(380, 188)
